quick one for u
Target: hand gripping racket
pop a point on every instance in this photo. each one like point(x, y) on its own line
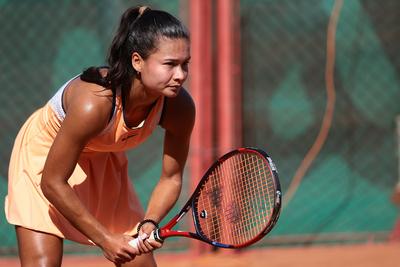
point(236, 203)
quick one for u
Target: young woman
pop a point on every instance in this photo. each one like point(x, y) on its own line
point(68, 170)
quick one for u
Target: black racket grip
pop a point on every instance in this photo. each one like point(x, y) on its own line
point(157, 236)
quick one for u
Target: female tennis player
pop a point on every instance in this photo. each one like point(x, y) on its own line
point(68, 171)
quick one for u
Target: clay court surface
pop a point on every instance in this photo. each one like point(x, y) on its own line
point(360, 255)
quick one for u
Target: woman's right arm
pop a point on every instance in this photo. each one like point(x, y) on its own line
point(87, 115)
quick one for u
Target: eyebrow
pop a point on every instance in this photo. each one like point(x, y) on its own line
point(176, 60)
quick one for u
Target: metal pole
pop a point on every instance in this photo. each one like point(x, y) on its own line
point(229, 106)
point(200, 83)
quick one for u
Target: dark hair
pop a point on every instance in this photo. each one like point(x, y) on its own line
point(139, 30)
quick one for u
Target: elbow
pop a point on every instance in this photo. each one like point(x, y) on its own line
point(45, 187)
point(48, 188)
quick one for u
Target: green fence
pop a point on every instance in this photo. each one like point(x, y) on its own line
point(343, 196)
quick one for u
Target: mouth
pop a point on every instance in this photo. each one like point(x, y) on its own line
point(175, 88)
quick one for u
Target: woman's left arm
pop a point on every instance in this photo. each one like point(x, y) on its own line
point(178, 121)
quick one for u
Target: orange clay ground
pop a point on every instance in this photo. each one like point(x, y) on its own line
point(360, 255)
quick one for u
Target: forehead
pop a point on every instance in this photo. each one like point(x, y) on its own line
point(167, 47)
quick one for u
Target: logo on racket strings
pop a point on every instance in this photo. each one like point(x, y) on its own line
point(232, 213)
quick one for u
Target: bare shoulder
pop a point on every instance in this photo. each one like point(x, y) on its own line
point(179, 113)
point(87, 104)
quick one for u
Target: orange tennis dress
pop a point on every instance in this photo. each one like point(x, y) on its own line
point(100, 178)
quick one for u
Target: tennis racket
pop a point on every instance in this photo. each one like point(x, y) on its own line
point(236, 203)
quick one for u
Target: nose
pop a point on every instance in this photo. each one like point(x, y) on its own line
point(180, 74)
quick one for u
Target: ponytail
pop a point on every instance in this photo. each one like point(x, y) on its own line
point(119, 71)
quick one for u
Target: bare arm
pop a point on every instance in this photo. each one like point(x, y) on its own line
point(178, 123)
point(87, 115)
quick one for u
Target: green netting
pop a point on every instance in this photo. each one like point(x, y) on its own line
point(345, 195)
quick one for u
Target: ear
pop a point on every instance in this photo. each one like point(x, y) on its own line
point(137, 61)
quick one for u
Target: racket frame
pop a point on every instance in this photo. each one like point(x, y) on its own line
point(166, 231)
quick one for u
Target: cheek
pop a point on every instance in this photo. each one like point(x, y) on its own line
point(156, 75)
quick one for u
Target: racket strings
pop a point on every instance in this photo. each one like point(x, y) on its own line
point(242, 229)
point(238, 199)
point(255, 207)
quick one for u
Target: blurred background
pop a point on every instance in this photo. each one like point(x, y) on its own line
point(314, 83)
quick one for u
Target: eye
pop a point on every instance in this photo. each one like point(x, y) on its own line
point(185, 65)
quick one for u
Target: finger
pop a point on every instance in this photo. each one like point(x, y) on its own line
point(141, 243)
point(153, 242)
point(123, 258)
point(117, 258)
point(147, 246)
point(134, 243)
point(119, 261)
point(127, 255)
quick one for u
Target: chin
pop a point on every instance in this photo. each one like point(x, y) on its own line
point(172, 93)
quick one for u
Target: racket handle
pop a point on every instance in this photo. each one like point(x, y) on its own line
point(135, 242)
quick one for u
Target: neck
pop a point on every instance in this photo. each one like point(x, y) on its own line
point(138, 96)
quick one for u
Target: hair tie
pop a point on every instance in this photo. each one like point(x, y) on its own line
point(143, 9)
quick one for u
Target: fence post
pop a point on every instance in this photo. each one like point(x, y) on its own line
point(200, 83)
point(229, 108)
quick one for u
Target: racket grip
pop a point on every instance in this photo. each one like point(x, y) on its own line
point(156, 236)
point(153, 236)
point(134, 243)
